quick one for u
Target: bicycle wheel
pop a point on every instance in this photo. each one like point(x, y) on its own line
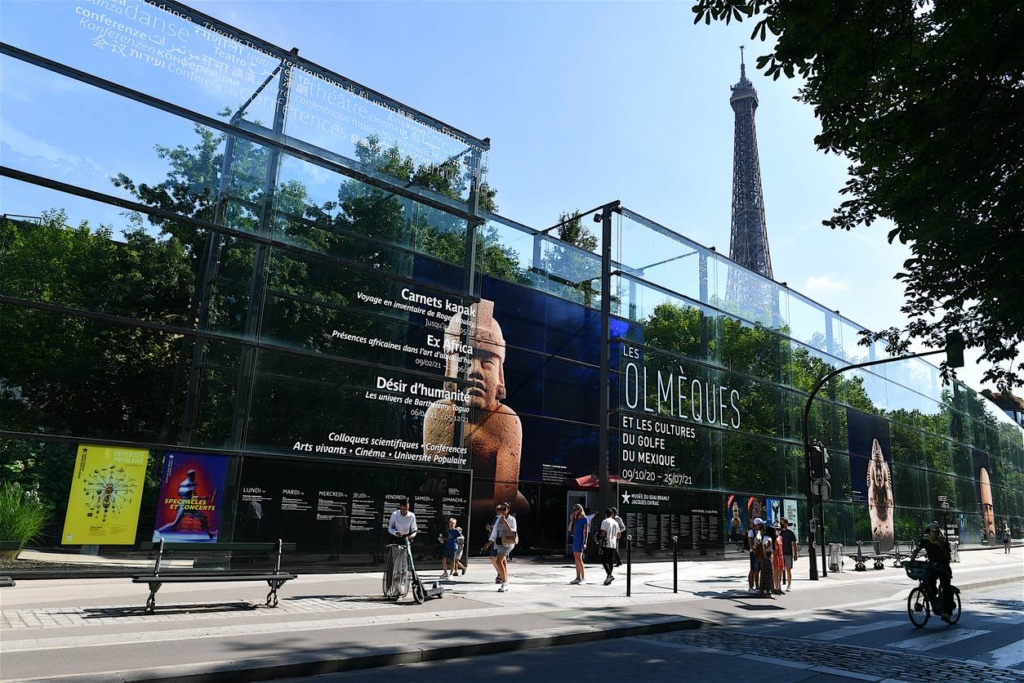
point(955, 614)
point(917, 608)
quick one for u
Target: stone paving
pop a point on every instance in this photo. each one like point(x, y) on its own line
point(847, 660)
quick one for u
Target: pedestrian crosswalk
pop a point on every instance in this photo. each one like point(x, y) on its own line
point(932, 641)
point(1007, 657)
point(850, 631)
point(993, 639)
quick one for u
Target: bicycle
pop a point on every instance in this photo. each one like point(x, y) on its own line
point(920, 604)
point(400, 576)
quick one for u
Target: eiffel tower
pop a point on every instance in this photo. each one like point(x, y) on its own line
point(748, 240)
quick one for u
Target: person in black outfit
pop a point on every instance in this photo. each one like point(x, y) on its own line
point(938, 551)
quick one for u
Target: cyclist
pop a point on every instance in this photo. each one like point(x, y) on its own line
point(938, 551)
point(402, 524)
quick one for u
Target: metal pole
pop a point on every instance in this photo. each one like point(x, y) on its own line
point(811, 522)
point(824, 559)
point(807, 446)
point(629, 565)
point(675, 564)
point(605, 490)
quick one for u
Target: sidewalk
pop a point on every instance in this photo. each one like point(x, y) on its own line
point(87, 630)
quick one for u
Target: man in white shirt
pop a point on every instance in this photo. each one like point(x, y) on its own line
point(402, 524)
point(610, 531)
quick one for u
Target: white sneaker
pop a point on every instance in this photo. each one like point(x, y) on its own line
point(751, 590)
point(444, 575)
point(582, 583)
point(503, 588)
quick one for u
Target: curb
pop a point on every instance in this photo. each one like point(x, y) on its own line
point(324, 662)
point(974, 585)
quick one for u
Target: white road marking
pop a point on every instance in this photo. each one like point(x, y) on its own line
point(847, 631)
point(936, 640)
point(1007, 657)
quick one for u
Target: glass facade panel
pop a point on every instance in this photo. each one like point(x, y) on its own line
point(279, 273)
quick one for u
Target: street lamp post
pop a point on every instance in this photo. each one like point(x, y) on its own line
point(954, 358)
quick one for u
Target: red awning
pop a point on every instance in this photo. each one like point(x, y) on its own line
point(593, 482)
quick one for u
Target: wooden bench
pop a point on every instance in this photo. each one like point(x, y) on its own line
point(6, 581)
point(158, 577)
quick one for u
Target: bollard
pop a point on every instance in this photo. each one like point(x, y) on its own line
point(675, 564)
point(629, 565)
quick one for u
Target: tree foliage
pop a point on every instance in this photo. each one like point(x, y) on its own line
point(570, 260)
point(924, 98)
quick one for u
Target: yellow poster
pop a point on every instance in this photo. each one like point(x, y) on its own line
point(106, 491)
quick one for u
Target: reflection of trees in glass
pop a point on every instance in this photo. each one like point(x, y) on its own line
point(576, 268)
point(761, 365)
point(74, 376)
point(70, 375)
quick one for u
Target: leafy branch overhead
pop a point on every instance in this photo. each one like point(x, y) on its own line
point(925, 99)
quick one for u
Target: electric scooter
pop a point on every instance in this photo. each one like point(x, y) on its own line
point(400, 576)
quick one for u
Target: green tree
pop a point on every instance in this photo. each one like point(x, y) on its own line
point(919, 95)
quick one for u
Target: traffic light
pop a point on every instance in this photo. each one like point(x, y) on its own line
point(817, 461)
point(954, 349)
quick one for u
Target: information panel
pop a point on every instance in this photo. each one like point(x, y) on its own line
point(342, 510)
point(654, 516)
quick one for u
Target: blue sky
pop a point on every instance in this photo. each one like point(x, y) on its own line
point(584, 102)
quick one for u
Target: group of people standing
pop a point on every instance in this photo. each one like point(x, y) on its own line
point(607, 538)
point(773, 549)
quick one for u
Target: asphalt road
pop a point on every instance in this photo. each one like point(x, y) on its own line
point(867, 642)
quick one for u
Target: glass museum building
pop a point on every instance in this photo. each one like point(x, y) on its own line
point(243, 297)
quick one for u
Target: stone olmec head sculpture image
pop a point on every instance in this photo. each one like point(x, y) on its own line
point(485, 356)
point(492, 432)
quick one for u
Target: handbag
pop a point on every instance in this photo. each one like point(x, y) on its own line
point(508, 537)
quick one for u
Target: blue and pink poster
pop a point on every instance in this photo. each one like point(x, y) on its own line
point(191, 497)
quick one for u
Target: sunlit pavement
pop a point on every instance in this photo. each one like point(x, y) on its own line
point(96, 630)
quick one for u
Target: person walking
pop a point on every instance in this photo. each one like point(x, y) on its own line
point(610, 536)
point(790, 549)
point(622, 532)
point(1007, 539)
point(449, 556)
point(579, 530)
point(504, 536)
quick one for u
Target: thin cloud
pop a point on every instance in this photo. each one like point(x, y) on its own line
point(819, 285)
point(37, 156)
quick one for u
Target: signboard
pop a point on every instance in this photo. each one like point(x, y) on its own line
point(654, 516)
point(106, 491)
point(191, 497)
point(871, 477)
point(341, 510)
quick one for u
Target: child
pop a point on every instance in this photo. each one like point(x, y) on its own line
point(450, 556)
point(460, 549)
